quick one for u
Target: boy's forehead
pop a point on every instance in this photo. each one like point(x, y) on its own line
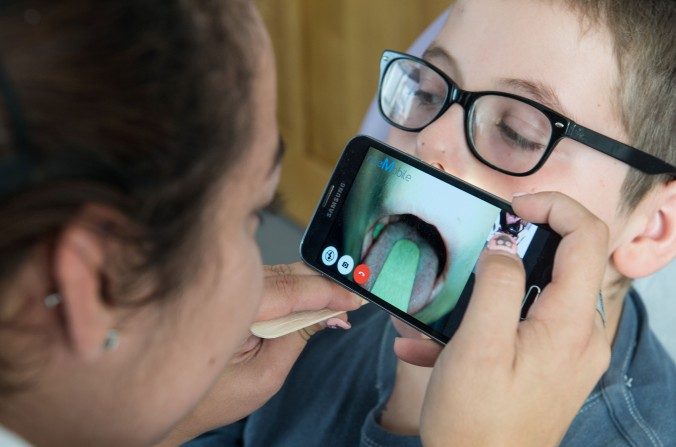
point(509, 44)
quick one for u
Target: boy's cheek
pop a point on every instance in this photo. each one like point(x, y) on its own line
point(405, 141)
point(591, 178)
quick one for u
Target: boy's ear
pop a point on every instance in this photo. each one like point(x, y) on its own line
point(655, 245)
point(78, 262)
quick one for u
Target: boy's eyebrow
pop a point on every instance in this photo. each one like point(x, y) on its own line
point(540, 91)
point(279, 154)
point(435, 51)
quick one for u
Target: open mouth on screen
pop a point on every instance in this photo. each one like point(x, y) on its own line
point(407, 258)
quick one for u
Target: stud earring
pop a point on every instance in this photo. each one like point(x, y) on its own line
point(112, 340)
point(52, 300)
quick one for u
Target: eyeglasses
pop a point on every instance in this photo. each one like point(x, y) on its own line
point(509, 133)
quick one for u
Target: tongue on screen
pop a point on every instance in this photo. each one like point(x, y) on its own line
point(403, 267)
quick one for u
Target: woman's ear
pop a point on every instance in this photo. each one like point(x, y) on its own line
point(78, 262)
point(654, 246)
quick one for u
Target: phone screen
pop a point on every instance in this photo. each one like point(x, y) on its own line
point(413, 240)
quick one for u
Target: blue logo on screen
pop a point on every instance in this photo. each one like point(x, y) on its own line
point(390, 166)
point(386, 164)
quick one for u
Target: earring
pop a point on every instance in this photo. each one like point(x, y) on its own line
point(112, 340)
point(52, 300)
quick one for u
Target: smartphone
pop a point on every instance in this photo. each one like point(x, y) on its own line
point(407, 236)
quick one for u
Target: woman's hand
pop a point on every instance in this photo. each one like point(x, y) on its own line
point(259, 369)
point(504, 382)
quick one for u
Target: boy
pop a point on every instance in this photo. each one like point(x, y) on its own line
point(608, 66)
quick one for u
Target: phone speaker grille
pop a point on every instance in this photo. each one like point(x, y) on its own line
point(328, 195)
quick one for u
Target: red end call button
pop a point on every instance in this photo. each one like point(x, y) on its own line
point(361, 274)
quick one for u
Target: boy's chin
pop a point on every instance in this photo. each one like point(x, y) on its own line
point(405, 330)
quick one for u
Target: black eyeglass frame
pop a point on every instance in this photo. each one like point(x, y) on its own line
point(562, 127)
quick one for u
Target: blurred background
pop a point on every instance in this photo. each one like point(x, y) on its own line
point(328, 54)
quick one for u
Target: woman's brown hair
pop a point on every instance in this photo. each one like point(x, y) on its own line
point(136, 105)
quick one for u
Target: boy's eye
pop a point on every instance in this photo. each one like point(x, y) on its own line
point(431, 90)
point(517, 133)
point(514, 138)
point(426, 98)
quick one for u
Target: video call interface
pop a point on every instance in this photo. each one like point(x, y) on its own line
point(413, 240)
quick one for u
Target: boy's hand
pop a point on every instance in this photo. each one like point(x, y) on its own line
point(259, 369)
point(504, 382)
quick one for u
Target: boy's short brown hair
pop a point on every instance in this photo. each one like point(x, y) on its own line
point(644, 38)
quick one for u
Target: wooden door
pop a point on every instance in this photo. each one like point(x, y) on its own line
point(328, 54)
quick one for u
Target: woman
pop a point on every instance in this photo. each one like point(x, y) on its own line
point(146, 154)
point(138, 143)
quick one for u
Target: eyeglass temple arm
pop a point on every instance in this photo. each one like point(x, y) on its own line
point(638, 159)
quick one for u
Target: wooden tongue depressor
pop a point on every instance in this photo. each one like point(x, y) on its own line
point(293, 322)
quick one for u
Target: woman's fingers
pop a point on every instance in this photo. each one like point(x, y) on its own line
point(492, 314)
point(493, 311)
point(294, 288)
point(498, 391)
point(580, 259)
point(296, 268)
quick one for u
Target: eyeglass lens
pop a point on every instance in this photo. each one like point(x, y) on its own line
point(505, 132)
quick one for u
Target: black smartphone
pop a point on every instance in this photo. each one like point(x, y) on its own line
point(407, 236)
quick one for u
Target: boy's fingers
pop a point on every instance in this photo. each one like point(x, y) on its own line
point(573, 290)
point(287, 292)
point(494, 309)
point(417, 351)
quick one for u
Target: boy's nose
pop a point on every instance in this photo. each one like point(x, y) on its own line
point(443, 145)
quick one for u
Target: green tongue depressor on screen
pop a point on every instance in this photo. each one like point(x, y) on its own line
point(395, 281)
point(397, 276)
